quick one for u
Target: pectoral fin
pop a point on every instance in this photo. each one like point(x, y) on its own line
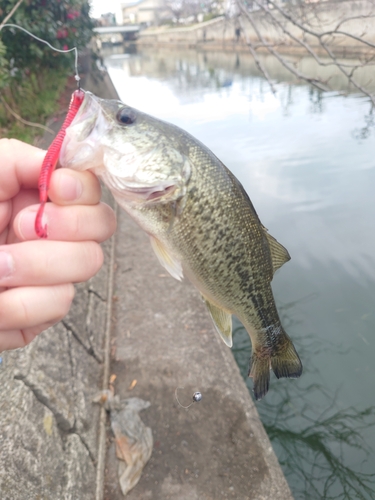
point(222, 321)
point(279, 254)
point(168, 261)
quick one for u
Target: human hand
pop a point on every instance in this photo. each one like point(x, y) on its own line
point(37, 276)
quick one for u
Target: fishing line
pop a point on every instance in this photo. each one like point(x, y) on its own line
point(64, 51)
point(197, 397)
point(52, 155)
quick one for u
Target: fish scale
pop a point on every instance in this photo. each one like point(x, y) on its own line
point(201, 222)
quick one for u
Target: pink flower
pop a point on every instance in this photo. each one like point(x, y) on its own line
point(65, 47)
point(72, 14)
point(62, 33)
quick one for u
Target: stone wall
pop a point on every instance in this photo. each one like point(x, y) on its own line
point(48, 423)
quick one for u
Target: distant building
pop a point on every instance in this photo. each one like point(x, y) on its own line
point(147, 12)
point(108, 19)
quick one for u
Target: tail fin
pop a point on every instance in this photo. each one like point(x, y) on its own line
point(260, 373)
point(285, 361)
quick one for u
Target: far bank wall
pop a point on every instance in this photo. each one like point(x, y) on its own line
point(272, 26)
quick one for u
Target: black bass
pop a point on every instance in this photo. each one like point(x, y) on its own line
point(201, 223)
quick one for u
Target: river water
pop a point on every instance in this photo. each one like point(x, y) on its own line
point(307, 160)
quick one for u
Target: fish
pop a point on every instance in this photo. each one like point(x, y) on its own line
point(200, 220)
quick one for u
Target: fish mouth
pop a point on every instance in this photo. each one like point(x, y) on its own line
point(79, 150)
point(130, 165)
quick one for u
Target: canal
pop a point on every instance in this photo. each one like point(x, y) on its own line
point(307, 161)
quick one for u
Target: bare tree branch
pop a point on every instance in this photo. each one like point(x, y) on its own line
point(25, 122)
point(10, 13)
point(301, 42)
point(351, 18)
point(258, 62)
point(317, 83)
point(311, 25)
point(306, 29)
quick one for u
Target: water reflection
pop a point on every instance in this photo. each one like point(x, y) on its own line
point(307, 161)
point(365, 131)
point(317, 100)
point(310, 431)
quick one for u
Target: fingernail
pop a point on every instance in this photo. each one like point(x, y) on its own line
point(70, 187)
point(6, 265)
point(26, 223)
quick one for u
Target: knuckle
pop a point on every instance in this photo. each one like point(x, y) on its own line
point(93, 184)
point(64, 297)
point(92, 259)
point(8, 146)
point(71, 291)
point(5, 144)
point(109, 223)
point(96, 257)
point(14, 309)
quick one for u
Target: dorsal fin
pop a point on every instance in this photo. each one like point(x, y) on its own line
point(279, 254)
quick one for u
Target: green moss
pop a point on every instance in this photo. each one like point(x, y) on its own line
point(34, 99)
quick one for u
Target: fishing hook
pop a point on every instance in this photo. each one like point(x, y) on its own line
point(197, 396)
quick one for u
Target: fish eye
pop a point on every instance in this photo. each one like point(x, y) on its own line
point(126, 116)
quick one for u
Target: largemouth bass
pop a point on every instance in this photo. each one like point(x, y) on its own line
point(201, 223)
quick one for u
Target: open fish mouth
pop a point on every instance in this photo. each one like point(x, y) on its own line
point(80, 146)
point(125, 158)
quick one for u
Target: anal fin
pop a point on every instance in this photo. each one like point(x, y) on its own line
point(222, 321)
point(260, 373)
point(168, 261)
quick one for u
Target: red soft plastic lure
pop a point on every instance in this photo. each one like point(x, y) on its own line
point(50, 160)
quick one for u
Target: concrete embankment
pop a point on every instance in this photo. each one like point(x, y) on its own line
point(273, 28)
point(52, 440)
point(49, 428)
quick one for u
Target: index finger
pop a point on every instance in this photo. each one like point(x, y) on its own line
point(20, 167)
